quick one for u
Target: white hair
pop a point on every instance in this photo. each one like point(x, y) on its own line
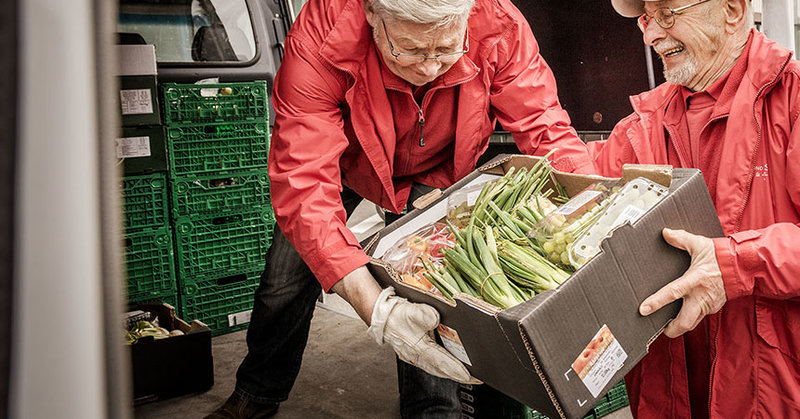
point(427, 12)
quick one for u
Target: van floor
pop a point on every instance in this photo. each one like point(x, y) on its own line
point(344, 373)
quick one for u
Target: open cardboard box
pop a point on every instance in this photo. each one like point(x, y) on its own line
point(172, 366)
point(528, 351)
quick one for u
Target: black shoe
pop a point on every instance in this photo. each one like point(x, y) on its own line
point(237, 407)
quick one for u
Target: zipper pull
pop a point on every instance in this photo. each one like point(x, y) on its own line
point(421, 126)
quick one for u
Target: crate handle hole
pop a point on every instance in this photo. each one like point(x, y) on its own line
point(226, 220)
point(232, 279)
point(223, 182)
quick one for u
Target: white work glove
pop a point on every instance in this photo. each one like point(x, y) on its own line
point(406, 327)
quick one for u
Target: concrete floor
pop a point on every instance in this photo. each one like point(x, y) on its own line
point(344, 373)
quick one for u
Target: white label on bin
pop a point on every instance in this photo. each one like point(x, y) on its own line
point(452, 342)
point(133, 147)
point(135, 101)
point(599, 361)
point(577, 202)
point(241, 317)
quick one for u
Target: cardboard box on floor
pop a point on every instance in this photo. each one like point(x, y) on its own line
point(172, 366)
point(532, 351)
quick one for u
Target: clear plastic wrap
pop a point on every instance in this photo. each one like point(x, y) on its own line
point(426, 243)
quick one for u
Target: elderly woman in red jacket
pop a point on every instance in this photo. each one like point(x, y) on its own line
point(729, 107)
point(383, 99)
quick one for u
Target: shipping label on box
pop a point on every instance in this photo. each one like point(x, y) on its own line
point(136, 101)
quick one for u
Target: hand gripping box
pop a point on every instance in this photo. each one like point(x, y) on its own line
point(563, 350)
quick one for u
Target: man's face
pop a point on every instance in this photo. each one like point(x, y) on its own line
point(403, 38)
point(689, 49)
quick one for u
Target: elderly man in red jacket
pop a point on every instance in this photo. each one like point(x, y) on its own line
point(384, 99)
point(729, 108)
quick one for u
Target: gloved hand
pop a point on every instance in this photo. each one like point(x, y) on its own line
point(406, 327)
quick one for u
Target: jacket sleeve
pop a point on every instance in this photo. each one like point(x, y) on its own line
point(611, 154)
point(763, 262)
point(766, 262)
point(525, 100)
point(304, 172)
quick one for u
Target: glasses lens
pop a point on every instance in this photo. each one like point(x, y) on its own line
point(642, 22)
point(450, 58)
point(665, 18)
point(409, 59)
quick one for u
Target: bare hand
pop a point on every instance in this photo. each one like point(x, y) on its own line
point(701, 286)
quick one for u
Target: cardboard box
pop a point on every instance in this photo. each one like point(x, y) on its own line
point(142, 150)
point(528, 351)
point(138, 94)
point(172, 366)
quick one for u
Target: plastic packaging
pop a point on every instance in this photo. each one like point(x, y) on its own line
point(460, 204)
point(556, 231)
point(426, 243)
point(628, 205)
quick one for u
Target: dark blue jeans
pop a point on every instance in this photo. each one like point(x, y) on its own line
point(278, 332)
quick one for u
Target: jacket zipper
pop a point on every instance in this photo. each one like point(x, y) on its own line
point(755, 152)
point(674, 147)
point(421, 121)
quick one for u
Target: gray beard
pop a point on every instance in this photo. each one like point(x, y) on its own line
point(682, 74)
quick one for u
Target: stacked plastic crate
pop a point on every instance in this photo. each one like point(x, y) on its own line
point(142, 154)
point(218, 142)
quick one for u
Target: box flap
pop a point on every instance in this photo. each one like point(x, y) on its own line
point(659, 173)
point(593, 296)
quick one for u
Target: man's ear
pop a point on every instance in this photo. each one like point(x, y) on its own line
point(735, 11)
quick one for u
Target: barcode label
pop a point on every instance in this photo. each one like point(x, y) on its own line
point(133, 147)
point(630, 213)
point(242, 317)
point(136, 101)
point(599, 361)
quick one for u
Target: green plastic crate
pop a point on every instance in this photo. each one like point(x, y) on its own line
point(149, 264)
point(214, 148)
point(192, 195)
point(145, 201)
point(486, 402)
point(223, 302)
point(221, 102)
point(221, 242)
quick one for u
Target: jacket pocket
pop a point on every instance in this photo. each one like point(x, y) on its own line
point(778, 324)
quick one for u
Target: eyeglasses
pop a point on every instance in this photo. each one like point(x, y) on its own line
point(664, 16)
point(408, 59)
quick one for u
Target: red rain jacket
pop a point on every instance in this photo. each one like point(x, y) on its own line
point(754, 340)
point(334, 123)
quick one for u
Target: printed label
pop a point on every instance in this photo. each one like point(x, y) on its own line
point(136, 101)
point(472, 197)
point(630, 213)
point(452, 342)
point(599, 361)
point(133, 147)
point(577, 202)
point(239, 318)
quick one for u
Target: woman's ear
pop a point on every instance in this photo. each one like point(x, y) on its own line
point(372, 18)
